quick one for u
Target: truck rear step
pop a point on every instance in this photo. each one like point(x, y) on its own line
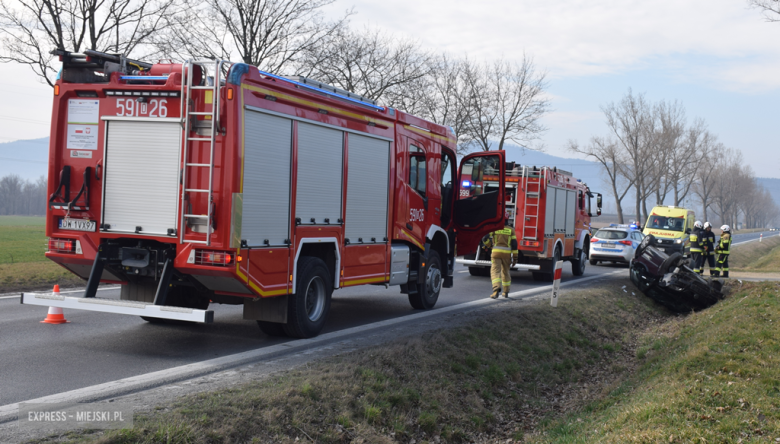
point(119, 307)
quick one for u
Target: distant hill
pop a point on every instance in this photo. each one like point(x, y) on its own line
point(26, 158)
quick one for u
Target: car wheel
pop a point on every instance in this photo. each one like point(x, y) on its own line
point(669, 263)
point(428, 293)
point(648, 240)
point(308, 308)
point(593, 262)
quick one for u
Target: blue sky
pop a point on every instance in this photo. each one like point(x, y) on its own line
point(720, 58)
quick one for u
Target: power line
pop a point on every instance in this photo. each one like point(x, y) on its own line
point(21, 160)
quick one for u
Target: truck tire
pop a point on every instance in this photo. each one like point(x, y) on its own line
point(428, 293)
point(271, 328)
point(578, 264)
point(308, 308)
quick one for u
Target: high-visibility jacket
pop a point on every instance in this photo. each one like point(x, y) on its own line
point(502, 241)
point(707, 238)
point(696, 246)
point(724, 244)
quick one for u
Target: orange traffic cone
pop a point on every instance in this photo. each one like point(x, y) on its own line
point(55, 315)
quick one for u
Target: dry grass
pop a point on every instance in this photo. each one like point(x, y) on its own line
point(711, 377)
point(756, 256)
point(496, 378)
point(35, 276)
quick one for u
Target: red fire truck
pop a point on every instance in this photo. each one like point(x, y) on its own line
point(549, 209)
point(211, 182)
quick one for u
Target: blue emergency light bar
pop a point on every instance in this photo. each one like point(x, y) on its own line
point(143, 77)
point(324, 91)
point(466, 184)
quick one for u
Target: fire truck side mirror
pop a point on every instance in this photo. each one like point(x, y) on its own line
point(475, 172)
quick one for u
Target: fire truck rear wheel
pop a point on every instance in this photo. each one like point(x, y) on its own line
point(479, 271)
point(308, 308)
point(428, 293)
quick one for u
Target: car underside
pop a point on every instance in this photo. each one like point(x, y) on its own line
point(670, 281)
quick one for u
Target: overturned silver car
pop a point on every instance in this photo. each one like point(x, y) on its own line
point(670, 281)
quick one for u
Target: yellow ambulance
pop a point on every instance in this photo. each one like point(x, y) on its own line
point(672, 227)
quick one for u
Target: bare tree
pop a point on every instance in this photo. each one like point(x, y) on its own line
point(269, 34)
point(370, 63)
point(612, 159)
point(708, 173)
point(31, 29)
point(438, 97)
point(770, 8)
point(506, 102)
point(631, 121)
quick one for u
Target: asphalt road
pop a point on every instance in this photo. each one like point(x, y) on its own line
point(41, 359)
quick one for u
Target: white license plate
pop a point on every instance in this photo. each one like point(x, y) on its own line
point(606, 245)
point(77, 224)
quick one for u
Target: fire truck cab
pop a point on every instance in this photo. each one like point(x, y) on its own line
point(550, 211)
point(214, 182)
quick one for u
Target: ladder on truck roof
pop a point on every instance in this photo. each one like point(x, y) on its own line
point(532, 192)
point(192, 124)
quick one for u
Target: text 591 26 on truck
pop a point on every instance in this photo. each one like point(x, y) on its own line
point(216, 182)
point(549, 209)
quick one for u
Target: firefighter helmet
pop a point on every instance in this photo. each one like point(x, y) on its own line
point(707, 225)
point(697, 224)
point(725, 228)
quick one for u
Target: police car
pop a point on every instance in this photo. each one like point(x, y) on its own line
point(615, 243)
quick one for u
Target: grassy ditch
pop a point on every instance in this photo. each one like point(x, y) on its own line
point(496, 378)
point(756, 256)
point(712, 377)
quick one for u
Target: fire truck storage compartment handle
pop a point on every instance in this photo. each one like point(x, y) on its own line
point(64, 183)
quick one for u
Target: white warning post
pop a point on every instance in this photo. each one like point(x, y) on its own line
point(556, 283)
point(83, 124)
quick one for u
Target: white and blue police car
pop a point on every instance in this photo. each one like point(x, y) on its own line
point(616, 243)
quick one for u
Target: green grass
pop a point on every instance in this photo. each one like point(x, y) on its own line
point(23, 265)
point(712, 377)
point(500, 376)
point(32, 221)
point(20, 244)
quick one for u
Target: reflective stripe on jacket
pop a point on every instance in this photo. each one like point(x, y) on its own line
point(695, 245)
point(503, 241)
point(724, 244)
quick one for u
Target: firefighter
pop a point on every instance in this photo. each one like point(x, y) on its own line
point(707, 240)
point(722, 251)
point(696, 248)
point(504, 256)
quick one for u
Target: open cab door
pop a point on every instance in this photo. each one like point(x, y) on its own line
point(480, 199)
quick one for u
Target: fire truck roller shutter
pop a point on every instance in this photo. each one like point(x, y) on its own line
point(571, 208)
point(549, 213)
point(266, 205)
point(560, 210)
point(141, 176)
point(367, 189)
point(320, 164)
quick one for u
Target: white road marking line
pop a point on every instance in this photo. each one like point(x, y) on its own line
point(753, 240)
point(105, 390)
point(65, 291)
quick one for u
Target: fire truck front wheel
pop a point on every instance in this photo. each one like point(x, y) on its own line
point(428, 293)
point(308, 308)
point(578, 263)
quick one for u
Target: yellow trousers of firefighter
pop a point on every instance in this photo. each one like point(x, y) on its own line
point(499, 271)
